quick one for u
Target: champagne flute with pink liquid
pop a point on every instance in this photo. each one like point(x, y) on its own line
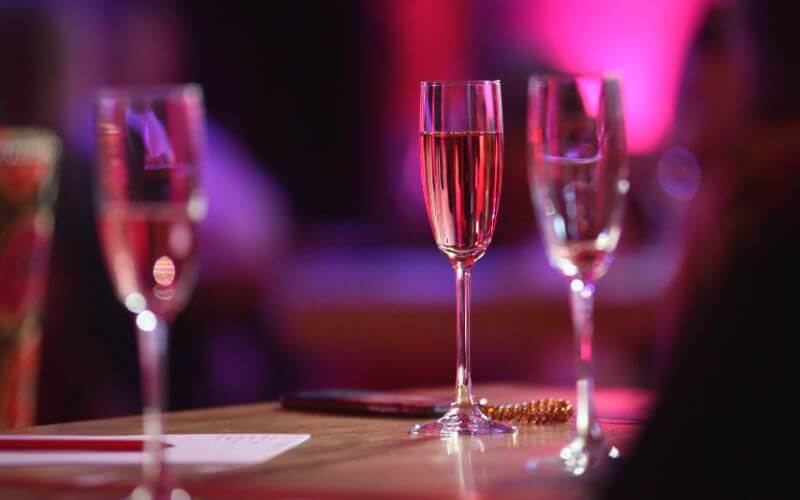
point(150, 143)
point(461, 141)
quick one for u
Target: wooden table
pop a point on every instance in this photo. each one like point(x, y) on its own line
point(347, 456)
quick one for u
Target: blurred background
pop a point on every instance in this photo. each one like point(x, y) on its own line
point(318, 268)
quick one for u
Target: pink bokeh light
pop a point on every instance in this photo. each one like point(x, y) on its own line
point(427, 40)
point(646, 42)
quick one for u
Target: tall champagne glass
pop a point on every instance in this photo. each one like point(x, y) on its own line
point(461, 141)
point(150, 146)
point(579, 177)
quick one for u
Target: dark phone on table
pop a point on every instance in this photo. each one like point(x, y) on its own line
point(365, 402)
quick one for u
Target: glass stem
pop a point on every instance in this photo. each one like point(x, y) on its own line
point(463, 371)
point(152, 340)
point(582, 305)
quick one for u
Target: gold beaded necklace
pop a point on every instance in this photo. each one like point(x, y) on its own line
point(538, 412)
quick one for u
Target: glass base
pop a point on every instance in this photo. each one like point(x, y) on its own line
point(581, 457)
point(462, 421)
point(145, 493)
point(162, 488)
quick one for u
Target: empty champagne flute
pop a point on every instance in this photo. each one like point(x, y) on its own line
point(577, 165)
point(461, 141)
point(150, 145)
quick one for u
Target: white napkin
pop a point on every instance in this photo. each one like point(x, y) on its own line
point(193, 449)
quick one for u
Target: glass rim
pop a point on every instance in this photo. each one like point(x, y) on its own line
point(566, 75)
point(150, 92)
point(454, 83)
point(14, 137)
point(27, 132)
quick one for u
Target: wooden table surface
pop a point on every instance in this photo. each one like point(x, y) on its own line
point(347, 456)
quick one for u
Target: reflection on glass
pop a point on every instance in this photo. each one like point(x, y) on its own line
point(150, 146)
